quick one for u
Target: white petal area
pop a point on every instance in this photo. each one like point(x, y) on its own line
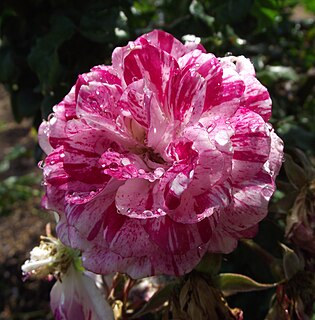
point(77, 297)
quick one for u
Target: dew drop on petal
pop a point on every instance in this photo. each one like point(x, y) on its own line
point(158, 172)
point(148, 213)
point(125, 161)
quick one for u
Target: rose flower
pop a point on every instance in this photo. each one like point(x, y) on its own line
point(160, 157)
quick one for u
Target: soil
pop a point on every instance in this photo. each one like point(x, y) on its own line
point(21, 227)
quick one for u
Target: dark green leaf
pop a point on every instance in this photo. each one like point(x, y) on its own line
point(294, 172)
point(231, 283)
point(197, 10)
point(158, 299)
point(210, 263)
point(43, 58)
point(292, 264)
point(99, 24)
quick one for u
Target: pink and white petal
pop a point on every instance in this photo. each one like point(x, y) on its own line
point(161, 130)
point(136, 199)
point(178, 177)
point(240, 64)
point(43, 137)
point(83, 147)
point(225, 99)
point(251, 144)
point(176, 264)
point(224, 86)
point(123, 166)
point(98, 98)
point(166, 42)
point(256, 97)
point(250, 204)
point(87, 211)
point(130, 240)
point(104, 74)
point(273, 165)
point(244, 66)
point(222, 242)
point(192, 45)
point(77, 297)
point(66, 109)
point(154, 66)
point(187, 96)
point(137, 102)
point(208, 203)
point(178, 238)
point(159, 262)
point(104, 261)
point(213, 145)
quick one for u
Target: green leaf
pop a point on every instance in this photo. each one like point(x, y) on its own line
point(8, 69)
point(197, 10)
point(158, 299)
point(294, 172)
point(24, 103)
point(98, 24)
point(210, 264)
point(231, 283)
point(292, 264)
point(309, 5)
point(43, 58)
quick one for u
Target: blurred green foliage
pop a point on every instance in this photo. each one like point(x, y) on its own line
point(15, 190)
point(45, 44)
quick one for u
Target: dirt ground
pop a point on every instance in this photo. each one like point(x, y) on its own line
point(20, 228)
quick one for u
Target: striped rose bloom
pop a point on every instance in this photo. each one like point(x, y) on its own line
point(160, 157)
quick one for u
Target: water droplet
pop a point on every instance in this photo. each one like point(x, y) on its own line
point(126, 175)
point(52, 162)
point(62, 155)
point(46, 131)
point(125, 161)
point(148, 213)
point(141, 171)
point(159, 172)
point(228, 122)
point(134, 79)
point(151, 177)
